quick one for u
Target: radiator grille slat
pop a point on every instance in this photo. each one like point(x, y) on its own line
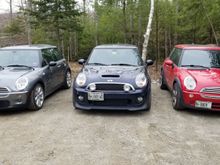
point(213, 90)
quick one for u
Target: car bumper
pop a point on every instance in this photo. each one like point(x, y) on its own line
point(113, 100)
point(190, 99)
point(13, 100)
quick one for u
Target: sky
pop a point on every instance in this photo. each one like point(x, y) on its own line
point(4, 5)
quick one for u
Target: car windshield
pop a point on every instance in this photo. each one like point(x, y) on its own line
point(121, 57)
point(201, 58)
point(19, 58)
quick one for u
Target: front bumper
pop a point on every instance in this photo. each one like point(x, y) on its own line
point(190, 98)
point(14, 100)
point(114, 100)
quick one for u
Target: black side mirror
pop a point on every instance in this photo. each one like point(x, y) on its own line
point(52, 63)
point(149, 62)
point(81, 61)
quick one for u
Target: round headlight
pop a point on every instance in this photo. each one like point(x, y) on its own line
point(81, 79)
point(21, 83)
point(190, 83)
point(92, 87)
point(127, 88)
point(141, 80)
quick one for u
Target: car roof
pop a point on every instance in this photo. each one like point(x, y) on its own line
point(115, 46)
point(28, 47)
point(198, 47)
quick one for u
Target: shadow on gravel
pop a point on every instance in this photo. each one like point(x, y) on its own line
point(204, 113)
point(113, 113)
point(10, 112)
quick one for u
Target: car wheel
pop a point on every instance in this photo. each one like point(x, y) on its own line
point(68, 80)
point(149, 103)
point(162, 81)
point(176, 97)
point(37, 98)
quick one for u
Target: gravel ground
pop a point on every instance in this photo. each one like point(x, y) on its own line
point(58, 134)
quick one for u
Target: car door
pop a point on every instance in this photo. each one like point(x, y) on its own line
point(170, 70)
point(61, 66)
point(52, 71)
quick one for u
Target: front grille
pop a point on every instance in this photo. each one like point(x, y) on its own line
point(4, 92)
point(111, 102)
point(4, 104)
point(213, 90)
point(106, 87)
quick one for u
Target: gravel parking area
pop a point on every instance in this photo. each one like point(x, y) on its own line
point(58, 134)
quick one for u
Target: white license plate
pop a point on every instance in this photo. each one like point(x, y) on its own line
point(203, 104)
point(96, 96)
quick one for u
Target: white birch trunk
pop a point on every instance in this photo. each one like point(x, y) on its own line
point(148, 30)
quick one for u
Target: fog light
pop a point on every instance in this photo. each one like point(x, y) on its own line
point(81, 98)
point(92, 87)
point(127, 88)
point(140, 99)
point(191, 95)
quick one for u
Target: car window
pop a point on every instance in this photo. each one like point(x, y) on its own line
point(20, 57)
point(57, 54)
point(205, 58)
point(115, 56)
point(175, 56)
point(48, 55)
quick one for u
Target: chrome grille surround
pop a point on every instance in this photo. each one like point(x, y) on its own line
point(212, 90)
point(109, 84)
point(4, 92)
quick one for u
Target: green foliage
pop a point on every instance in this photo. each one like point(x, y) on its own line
point(16, 26)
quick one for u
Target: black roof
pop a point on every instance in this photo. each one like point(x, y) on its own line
point(116, 46)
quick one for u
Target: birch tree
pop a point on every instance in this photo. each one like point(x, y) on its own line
point(148, 30)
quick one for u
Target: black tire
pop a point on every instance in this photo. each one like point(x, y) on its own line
point(149, 103)
point(177, 97)
point(68, 80)
point(163, 85)
point(37, 98)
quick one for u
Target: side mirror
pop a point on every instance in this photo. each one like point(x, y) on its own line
point(169, 62)
point(81, 61)
point(52, 63)
point(149, 62)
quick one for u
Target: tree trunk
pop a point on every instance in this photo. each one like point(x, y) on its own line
point(125, 21)
point(148, 30)
point(157, 36)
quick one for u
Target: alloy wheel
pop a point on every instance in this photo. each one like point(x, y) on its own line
point(39, 96)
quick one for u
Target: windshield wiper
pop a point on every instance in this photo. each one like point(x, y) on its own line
point(123, 65)
point(215, 67)
point(1, 67)
point(17, 65)
point(198, 66)
point(97, 64)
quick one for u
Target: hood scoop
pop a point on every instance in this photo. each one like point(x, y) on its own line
point(110, 76)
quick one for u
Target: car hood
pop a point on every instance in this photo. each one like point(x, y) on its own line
point(8, 76)
point(125, 74)
point(205, 77)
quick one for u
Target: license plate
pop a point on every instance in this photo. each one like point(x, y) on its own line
point(202, 104)
point(96, 96)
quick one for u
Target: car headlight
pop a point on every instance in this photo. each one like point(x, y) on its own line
point(21, 83)
point(141, 80)
point(81, 79)
point(190, 83)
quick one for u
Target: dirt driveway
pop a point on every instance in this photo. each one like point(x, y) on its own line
point(59, 135)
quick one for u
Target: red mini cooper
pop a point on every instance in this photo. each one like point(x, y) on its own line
point(192, 74)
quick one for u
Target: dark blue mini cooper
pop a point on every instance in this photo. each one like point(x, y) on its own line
point(113, 78)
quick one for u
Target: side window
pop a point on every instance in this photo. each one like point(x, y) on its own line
point(57, 54)
point(48, 55)
point(175, 56)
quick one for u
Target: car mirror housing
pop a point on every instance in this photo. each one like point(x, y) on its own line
point(52, 63)
point(169, 62)
point(149, 62)
point(81, 61)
